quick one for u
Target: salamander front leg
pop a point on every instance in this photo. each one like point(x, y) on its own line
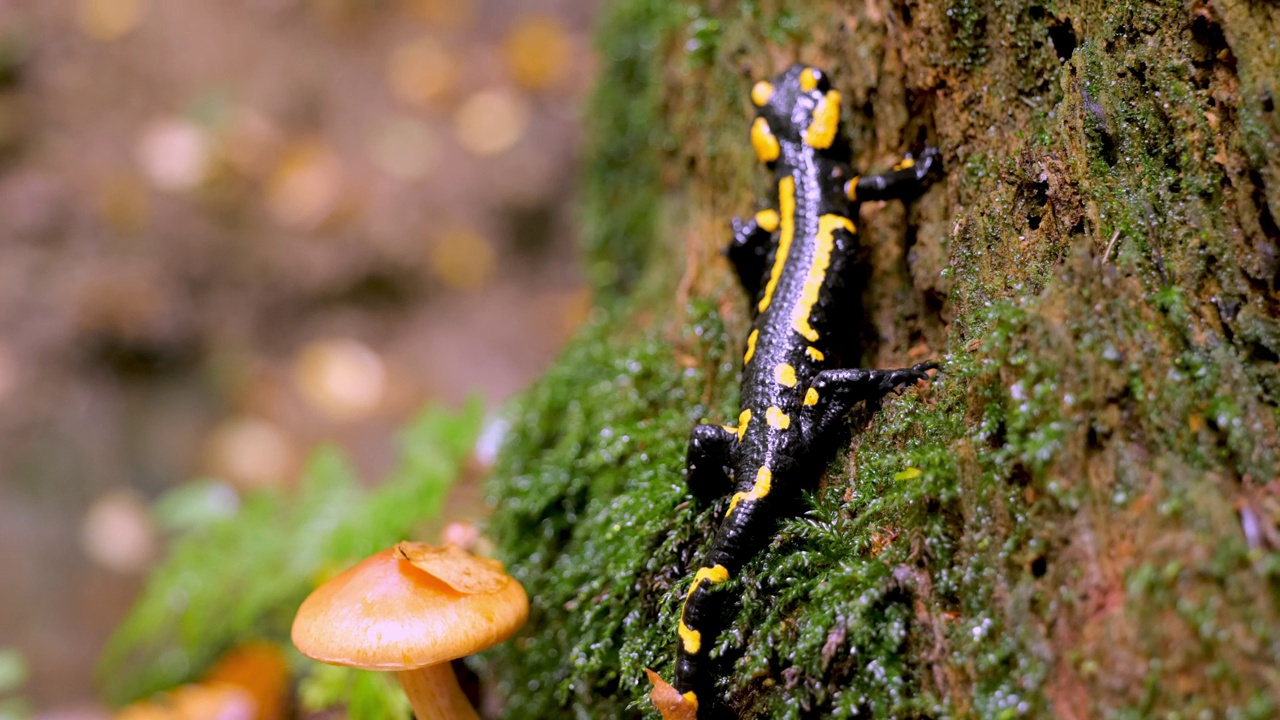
point(907, 178)
point(749, 248)
point(833, 393)
point(707, 463)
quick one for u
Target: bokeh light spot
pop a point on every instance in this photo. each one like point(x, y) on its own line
point(250, 453)
point(110, 19)
point(305, 186)
point(538, 51)
point(116, 532)
point(491, 121)
point(421, 71)
point(341, 377)
point(463, 259)
point(405, 147)
point(174, 154)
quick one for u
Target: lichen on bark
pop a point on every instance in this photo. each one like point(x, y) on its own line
point(1081, 517)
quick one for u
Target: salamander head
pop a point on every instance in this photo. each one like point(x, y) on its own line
point(797, 106)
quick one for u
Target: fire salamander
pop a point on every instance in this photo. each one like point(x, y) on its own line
point(793, 401)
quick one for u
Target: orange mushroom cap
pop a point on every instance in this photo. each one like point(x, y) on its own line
point(388, 613)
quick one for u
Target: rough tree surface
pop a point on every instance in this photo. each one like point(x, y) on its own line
point(1079, 517)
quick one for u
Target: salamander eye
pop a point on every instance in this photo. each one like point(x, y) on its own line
point(812, 79)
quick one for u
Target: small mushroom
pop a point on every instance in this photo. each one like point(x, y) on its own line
point(411, 609)
point(249, 682)
point(193, 701)
point(260, 669)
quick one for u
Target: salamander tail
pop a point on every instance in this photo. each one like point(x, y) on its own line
point(668, 701)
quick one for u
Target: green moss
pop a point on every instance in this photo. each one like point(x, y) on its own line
point(588, 518)
point(626, 141)
point(703, 37)
point(969, 31)
point(823, 610)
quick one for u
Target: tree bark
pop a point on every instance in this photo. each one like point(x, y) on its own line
point(1082, 517)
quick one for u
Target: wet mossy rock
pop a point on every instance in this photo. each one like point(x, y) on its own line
point(1079, 518)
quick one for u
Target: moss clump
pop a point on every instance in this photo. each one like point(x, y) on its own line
point(626, 136)
point(591, 512)
point(969, 28)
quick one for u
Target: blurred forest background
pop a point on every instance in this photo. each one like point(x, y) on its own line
point(233, 230)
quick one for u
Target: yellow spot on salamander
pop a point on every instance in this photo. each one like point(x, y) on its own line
point(767, 220)
point(811, 397)
point(826, 120)
point(751, 346)
point(692, 699)
point(906, 164)
point(814, 354)
point(761, 488)
point(809, 79)
point(692, 639)
point(851, 188)
point(762, 139)
point(776, 418)
point(715, 575)
point(787, 223)
point(800, 315)
point(761, 93)
point(743, 419)
point(730, 429)
point(785, 375)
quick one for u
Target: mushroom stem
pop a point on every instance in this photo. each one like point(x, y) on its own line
point(434, 693)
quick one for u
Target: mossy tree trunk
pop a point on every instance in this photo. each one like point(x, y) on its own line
point(1081, 517)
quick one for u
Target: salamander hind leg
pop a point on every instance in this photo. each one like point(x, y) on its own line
point(707, 466)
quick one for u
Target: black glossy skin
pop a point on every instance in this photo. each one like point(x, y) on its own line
point(826, 194)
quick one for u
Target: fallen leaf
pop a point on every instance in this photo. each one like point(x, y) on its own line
point(455, 567)
point(668, 701)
